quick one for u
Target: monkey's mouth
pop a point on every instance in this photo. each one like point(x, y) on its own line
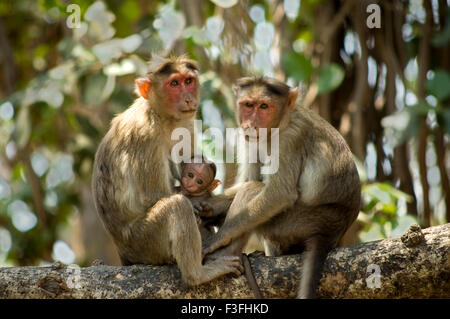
point(192, 190)
point(189, 111)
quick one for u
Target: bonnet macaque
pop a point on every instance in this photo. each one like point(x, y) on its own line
point(133, 176)
point(311, 199)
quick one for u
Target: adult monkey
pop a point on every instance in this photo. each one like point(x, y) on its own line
point(133, 176)
point(313, 197)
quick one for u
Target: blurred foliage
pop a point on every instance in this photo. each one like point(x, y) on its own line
point(70, 82)
point(384, 212)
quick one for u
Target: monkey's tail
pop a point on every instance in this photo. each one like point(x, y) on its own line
point(317, 249)
point(251, 277)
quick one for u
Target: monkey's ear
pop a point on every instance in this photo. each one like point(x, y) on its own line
point(214, 185)
point(143, 87)
point(235, 89)
point(293, 93)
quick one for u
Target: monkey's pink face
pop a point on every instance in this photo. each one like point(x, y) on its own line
point(257, 113)
point(181, 94)
point(196, 178)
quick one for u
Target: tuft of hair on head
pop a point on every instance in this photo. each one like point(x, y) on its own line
point(273, 86)
point(184, 59)
point(165, 65)
point(204, 160)
point(155, 62)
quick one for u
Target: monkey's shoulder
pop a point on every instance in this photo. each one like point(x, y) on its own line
point(309, 128)
point(136, 121)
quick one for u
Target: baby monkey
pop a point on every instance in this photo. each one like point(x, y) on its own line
point(197, 183)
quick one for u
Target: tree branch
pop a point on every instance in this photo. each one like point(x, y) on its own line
point(415, 266)
point(337, 21)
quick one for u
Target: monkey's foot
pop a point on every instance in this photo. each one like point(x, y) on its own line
point(227, 251)
point(228, 264)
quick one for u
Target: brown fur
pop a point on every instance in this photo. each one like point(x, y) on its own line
point(310, 201)
point(133, 180)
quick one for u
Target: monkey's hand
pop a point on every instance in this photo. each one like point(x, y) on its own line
point(202, 209)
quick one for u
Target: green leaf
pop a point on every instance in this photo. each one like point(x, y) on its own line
point(372, 203)
point(443, 118)
point(374, 191)
point(330, 77)
point(394, 192)
point(439, 85)
point(443, 37)
point(130, 10)
point(306, 36)
point(390, 209)
point(296, 65)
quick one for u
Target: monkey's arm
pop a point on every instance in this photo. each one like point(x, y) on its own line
point(220, 203)
point(212, 207)
point(246, 172)
point(215, 211)
point(158, 184)
point(279, 193)
point(231, 191)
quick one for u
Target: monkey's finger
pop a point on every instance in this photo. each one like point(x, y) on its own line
point(234, 262)
point(239, 269)
point(205, 213)
point(206, 206)
point(197, 207)
point(205, 210)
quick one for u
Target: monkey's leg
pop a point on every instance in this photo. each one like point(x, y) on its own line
point(246, 192)
point(187, 248)
point(317, 228)
point(169, 232)
point(271, 248)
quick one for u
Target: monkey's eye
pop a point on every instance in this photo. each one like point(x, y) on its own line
point(199, 181)
point(173, 83)
point(188, 81)
point(263, 106)
point(191, 175)
point(248, 104)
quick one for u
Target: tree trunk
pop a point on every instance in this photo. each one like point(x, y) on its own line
point(415, 266)
point(441, 152)
point(424, 65)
